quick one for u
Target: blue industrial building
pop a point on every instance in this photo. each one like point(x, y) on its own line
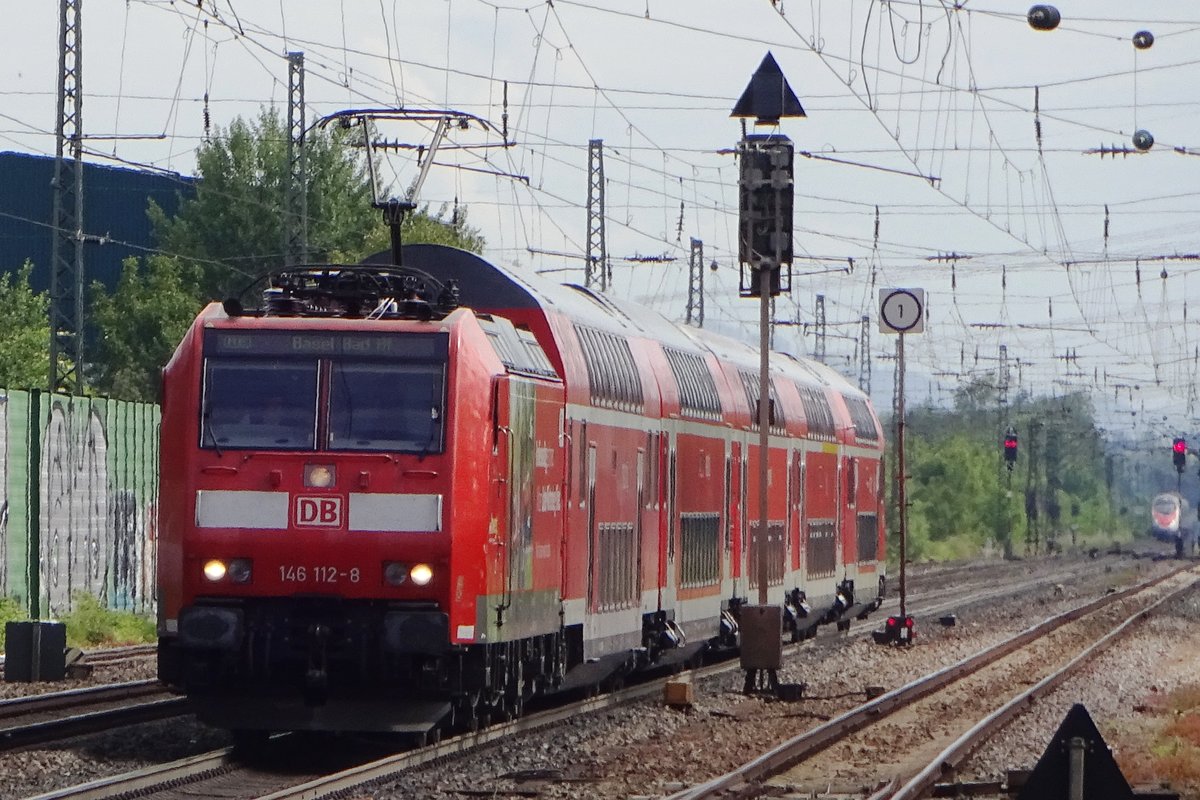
point(114, 215)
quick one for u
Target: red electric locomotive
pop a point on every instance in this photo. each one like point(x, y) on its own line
point(392, 501)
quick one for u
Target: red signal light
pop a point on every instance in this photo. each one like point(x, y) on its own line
point(1180, 446)
point(898, 630)
point(1010, 448)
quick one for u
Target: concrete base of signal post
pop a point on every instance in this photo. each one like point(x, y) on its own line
point(760, 633)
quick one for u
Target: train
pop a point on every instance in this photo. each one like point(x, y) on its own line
point(1171, 521)
point(412, 498)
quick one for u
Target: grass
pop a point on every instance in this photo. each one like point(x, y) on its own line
point(10, 611)
point(1169, 749)
point(89, 624)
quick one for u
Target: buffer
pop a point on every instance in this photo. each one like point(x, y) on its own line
point(1077, 764)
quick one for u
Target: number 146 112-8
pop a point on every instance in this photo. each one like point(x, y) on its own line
point(302, 574)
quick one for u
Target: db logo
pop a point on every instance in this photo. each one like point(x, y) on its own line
point(323, 512)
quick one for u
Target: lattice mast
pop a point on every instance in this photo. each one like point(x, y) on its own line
point(597, 272)
point(695, 302)
point(819, 322)
point(66, 252)
point(864, 355)
point(295, 202)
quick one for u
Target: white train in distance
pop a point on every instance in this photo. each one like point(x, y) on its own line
point(1171, 521)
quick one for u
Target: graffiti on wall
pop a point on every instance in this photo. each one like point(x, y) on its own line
point(96, 486)
point(75, 536)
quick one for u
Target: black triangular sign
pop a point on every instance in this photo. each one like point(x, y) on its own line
point(768, 95)
point(1102, 778)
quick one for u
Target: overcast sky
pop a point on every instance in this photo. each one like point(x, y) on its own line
point(931, 131)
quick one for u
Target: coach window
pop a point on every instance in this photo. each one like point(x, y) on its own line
point(251, 402)
point(386, 406)
point(851, 481)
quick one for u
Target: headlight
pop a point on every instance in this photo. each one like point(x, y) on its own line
point(240, 570)
point(421, 574)
point(394, 573)
point(215, 570)
point(319, 476)
point(237, 570)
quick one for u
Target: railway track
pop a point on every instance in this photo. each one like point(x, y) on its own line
point(222, 772)
point(42, 718)
point(113, 655)
point(910, 737)
point(231, 776)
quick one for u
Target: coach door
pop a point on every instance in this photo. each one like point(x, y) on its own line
point(521, 463)
point(590, 478)
point(733, 536)
point(511, 550)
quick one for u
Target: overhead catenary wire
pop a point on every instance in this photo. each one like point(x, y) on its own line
point(655, 173)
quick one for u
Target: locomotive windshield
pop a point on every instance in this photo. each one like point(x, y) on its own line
point(1165, 504)
point(260, 403)
point(323, 391)
point(386, 407)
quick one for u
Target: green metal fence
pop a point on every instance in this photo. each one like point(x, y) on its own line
point(78, 501)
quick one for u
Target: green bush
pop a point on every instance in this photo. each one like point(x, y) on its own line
point(91, 624)
point(10, 610)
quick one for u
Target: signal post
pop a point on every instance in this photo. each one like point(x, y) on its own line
point(901, 311)
point(766, 192)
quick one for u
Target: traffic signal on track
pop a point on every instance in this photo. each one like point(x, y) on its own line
point(898, 630)
point(1179, 453)
point(766, 192)
point(1010, 448)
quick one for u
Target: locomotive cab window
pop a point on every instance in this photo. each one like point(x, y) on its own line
point(386, 407)
point(323, 391)
point(258, 403)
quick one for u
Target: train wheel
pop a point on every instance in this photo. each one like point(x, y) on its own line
point(466, 713)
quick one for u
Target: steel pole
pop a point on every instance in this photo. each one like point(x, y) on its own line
point(900, 470)
point(764, 399)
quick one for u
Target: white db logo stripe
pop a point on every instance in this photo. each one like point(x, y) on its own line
point(234, 509)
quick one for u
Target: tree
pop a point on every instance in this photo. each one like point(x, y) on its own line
point(25, 343)
point(232, 230)
point(959, 495)
point(231, 233)
point(140, 324)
